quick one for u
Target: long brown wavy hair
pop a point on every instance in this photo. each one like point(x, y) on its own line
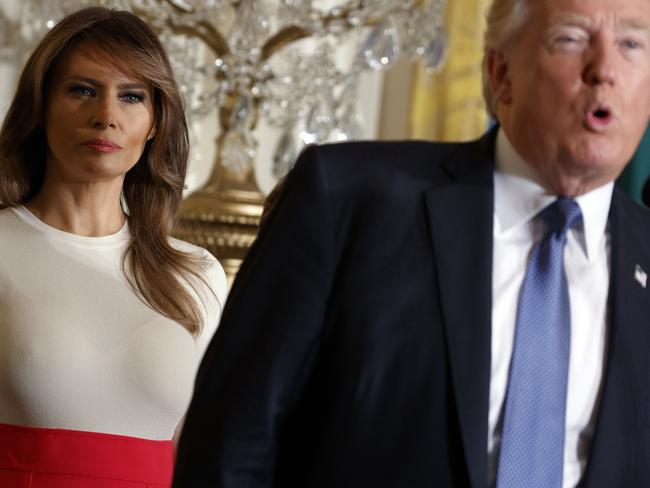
point(163, 277)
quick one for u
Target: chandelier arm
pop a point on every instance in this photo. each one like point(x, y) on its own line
point(294, 33)
point(204, 31)
point(178, 8)
point(283, 38)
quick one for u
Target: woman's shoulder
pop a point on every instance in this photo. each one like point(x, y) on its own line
point(188, 247)
point(214, 276)
point(11, 225)
point(210, 262)
point(7, 214)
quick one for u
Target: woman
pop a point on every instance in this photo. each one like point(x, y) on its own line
point(103, 316)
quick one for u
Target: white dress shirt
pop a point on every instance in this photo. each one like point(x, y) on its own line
point(518, 198)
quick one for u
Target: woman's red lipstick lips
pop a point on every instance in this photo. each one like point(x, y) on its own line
point(102, 145)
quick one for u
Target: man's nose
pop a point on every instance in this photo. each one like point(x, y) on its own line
point(104, 114)
point(601, 63)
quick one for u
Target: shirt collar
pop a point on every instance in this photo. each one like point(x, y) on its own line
point(519, 196)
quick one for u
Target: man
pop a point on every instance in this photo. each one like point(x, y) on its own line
point(450, 315)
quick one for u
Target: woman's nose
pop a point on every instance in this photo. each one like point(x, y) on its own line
point(104, 115)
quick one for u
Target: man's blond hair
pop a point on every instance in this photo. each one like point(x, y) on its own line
point(505, 18)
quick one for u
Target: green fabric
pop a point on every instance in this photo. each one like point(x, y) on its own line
point(633, 178)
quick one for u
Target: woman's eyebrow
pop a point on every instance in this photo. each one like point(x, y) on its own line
point(121, 86)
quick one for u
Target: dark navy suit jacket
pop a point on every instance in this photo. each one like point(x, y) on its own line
point(354, 349)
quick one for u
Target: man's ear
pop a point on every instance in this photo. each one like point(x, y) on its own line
point(499, 76)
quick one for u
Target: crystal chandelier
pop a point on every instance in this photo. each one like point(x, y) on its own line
point(276, 61)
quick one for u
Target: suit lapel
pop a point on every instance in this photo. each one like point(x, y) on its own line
point(617, 450)
point(461, 218)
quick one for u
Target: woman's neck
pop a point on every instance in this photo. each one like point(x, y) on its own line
point(89, 209)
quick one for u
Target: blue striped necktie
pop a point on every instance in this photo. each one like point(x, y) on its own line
point(532, 441)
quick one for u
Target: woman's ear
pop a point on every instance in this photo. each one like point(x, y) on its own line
point(152, 133)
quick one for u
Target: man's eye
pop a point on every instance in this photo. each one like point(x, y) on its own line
point(570, 40)
point(631, 44)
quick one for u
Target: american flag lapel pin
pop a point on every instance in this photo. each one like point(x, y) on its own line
point(640, 276)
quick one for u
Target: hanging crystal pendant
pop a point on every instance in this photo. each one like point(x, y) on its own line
point(241, 112)
point(284, 156)
point(349, 127)
point(382, 46)
point(238, 152)
point(297, 3)
point(251, 26)
point(116, 4)
point(37, 20)
point(7, 51)
point(318, 124)
point(436, 52)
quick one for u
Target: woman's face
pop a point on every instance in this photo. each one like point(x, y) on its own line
point(98, 118)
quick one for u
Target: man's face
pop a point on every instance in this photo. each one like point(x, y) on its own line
point(574, 89)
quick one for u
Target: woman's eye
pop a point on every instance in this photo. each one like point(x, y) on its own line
point(133, 97)
point(82, 90)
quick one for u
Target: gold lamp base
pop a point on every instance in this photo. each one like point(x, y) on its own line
point(224, 222)
point(224, 215)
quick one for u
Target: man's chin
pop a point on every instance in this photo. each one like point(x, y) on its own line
point(596, 156)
